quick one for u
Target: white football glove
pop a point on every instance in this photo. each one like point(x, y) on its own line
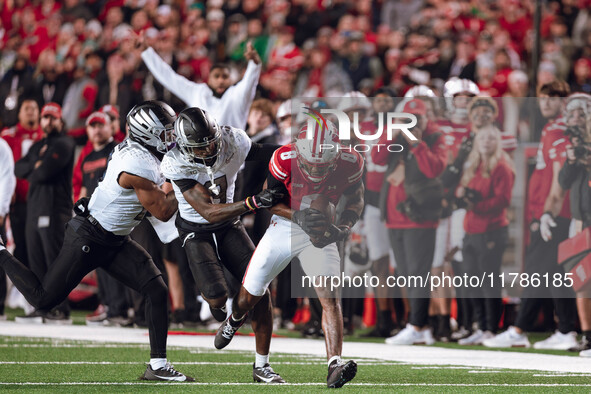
point(546, 224)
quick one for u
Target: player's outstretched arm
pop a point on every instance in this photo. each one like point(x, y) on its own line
point(353, 205)
point(160, 204)
point(200, 199)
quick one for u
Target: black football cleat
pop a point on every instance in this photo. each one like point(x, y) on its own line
point(166, 373)
point(340, 373)
point(266, 374)
point(219, 314)
point(226, 332)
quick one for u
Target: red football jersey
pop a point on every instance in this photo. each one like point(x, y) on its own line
point(302, 192)
point(552, 148)
point(453, 134)
point(374, 173)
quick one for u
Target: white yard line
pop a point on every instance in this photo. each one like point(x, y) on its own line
point(408, 354)
point(298, 384)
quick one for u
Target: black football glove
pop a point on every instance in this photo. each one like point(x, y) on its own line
point(81, 207)
point(312, 221)
point(265, 199)
point(332, 234)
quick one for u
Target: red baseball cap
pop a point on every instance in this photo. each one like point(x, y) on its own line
point(98, 117)
point(415, 106)
point(110, 110)
point(53, 109)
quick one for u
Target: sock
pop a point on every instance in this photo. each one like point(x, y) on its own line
point(157, 363)
point(234, 322)
point(385, 319)
point(333, 359)
point(260, 360)
point(587, 334)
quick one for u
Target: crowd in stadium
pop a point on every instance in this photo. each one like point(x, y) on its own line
point(464, 68)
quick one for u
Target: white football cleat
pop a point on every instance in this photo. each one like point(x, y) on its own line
point(410, 336)
point(509, 338)
point(558, 341)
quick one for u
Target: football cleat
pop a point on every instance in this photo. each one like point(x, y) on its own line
point(219, 314)
point(585, 344)
point(58, 318)
point(558, 341)
point(476, 338)
point(411, 336)
point(266, 374)
point(226, 332)
point(166, 373)
point(35, 317)
point(340, 373)
point(509, 338)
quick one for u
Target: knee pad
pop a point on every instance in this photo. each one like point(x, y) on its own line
point(214, 290)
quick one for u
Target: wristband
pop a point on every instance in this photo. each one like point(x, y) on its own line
point(248, 205)
point(350, 216)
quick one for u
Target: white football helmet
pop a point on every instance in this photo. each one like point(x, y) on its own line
point(420, 91)
point(454, 87)
point(317, 149)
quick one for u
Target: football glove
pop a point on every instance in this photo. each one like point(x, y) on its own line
point(331, 235)
point(312, 221)
point(81, 207)
point(265, 199)
point(546, 224)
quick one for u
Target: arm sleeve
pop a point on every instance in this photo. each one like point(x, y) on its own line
point(431, 160)
point(274, 183)
point(185, 184)
point(7, 178)
point(261, 152)
point(52, 162)
point(501, 193)
point(243, 92)
point(181, 87)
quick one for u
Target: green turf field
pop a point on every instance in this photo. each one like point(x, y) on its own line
point(32, 365)
point(53, 365)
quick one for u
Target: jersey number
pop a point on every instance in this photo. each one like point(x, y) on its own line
point(288, 155)
point(221, 187)
point(349, 157)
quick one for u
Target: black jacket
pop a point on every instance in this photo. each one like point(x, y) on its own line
point(576, 178)
point(50, 189)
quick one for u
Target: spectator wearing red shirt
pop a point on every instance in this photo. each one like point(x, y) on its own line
point(485, 189)
point(411, 201)
point(20, 138)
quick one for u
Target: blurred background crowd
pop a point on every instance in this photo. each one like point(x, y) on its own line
point(88, 57)
point(81, 55)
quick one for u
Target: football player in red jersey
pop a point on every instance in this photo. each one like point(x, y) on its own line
point(456, 125)
point(542, 252)
point(315, 164)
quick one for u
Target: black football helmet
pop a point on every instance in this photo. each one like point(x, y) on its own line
point(199, 137)
point(151, 124)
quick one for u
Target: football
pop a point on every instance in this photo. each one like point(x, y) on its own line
point(327, 208)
